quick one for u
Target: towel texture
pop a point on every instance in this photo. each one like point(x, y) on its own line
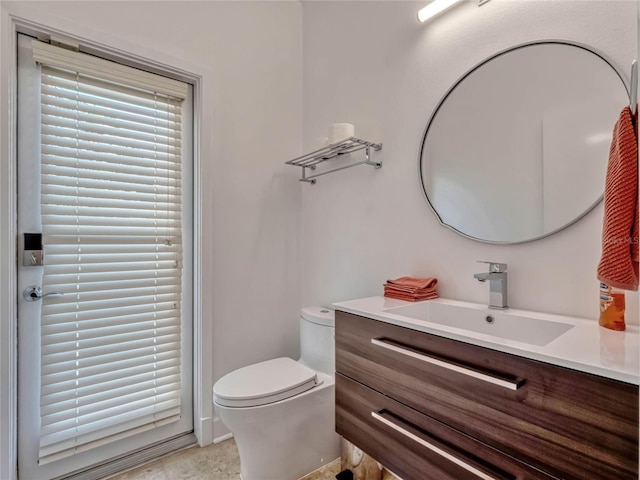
point(619, 261)
point(411, 289)
point(412, 282)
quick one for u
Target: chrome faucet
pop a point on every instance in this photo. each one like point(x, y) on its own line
point(497, 276)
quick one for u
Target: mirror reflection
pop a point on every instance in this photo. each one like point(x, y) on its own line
point(518, 148)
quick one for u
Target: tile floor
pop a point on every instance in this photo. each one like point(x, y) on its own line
point(214, 462)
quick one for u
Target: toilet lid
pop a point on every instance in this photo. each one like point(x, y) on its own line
point(263, 383)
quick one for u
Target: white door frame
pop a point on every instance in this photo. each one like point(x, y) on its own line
point(21, 17)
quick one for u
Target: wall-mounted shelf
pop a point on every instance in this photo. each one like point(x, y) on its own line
point(339, 149)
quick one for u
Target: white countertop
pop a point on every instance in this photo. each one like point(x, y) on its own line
point(586, 347)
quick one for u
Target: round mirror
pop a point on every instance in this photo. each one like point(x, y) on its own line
point(518, 148)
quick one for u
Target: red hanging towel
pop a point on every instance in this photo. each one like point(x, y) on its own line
point(619, 262)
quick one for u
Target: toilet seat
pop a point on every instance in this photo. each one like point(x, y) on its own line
point(263, 383)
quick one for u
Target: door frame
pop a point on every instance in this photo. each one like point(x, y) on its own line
point(22, 18)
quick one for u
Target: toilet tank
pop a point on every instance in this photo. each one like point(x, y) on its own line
point(317, 339)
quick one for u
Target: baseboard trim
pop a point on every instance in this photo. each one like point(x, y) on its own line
point(223, 438)
point(220, 431)
point(204, 431)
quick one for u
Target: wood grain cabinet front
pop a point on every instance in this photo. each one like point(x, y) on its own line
point(558, 422)
point(416, 446)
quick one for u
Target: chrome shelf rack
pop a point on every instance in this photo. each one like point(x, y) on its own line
point(336, 150)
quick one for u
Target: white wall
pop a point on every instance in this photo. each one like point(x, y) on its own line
point(372, 64)
point(368, 63)
point(249, 56)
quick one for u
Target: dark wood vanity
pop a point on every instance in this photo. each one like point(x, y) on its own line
point(432, 408)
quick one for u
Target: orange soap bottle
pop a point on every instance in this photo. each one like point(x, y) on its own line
point(612, 307)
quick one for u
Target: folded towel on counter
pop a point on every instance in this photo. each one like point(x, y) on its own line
point(411, 289)
point(412, 282)
point(406, 289)
point(619, 261)
point(410, 297)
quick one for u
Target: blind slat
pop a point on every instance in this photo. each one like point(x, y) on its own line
point(115, 313)
point(104, 382)
point(107, 190)
point(68, 81)
point(107, 248)
point(94, 280)
point(100, 207)
point(118, 164)
point(69, 428)
point(56, 126)
point(73, 409)
point(101, 346)
point(98, 393)
point(106, 306)
point(52, 115)
point(101, 240)
point(87, 112)
point(71, 324)
point(81, 143)
point(143, 354)
point(56, 392)
point(162, 253)
point(61, 382)
point(88, 169)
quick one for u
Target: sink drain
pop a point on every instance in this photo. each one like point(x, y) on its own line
point(489, 319)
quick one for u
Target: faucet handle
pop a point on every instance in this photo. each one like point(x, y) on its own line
point(495, 267)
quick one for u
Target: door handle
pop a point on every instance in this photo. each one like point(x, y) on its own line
point(33, 293)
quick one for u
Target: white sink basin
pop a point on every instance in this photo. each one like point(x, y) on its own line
point(571, 342)
point(521, 326)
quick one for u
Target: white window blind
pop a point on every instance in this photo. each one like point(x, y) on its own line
point(111, 207)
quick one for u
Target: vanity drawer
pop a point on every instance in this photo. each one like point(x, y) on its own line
point(416, 446)
point(570, 424)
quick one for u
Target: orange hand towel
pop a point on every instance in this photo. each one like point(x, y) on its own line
point(410, 297)
point(411, 289)
point(412, 282)
point(398, 288)
point(619, 262)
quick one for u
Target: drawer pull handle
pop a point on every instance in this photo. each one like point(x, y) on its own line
point(433, 448)
point(505, 383)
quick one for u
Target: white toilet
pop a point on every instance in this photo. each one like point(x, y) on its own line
point(281, 411)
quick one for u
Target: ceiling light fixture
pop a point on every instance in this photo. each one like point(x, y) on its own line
point(438, 6)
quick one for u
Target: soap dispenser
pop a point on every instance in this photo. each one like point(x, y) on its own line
point(612, 307)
